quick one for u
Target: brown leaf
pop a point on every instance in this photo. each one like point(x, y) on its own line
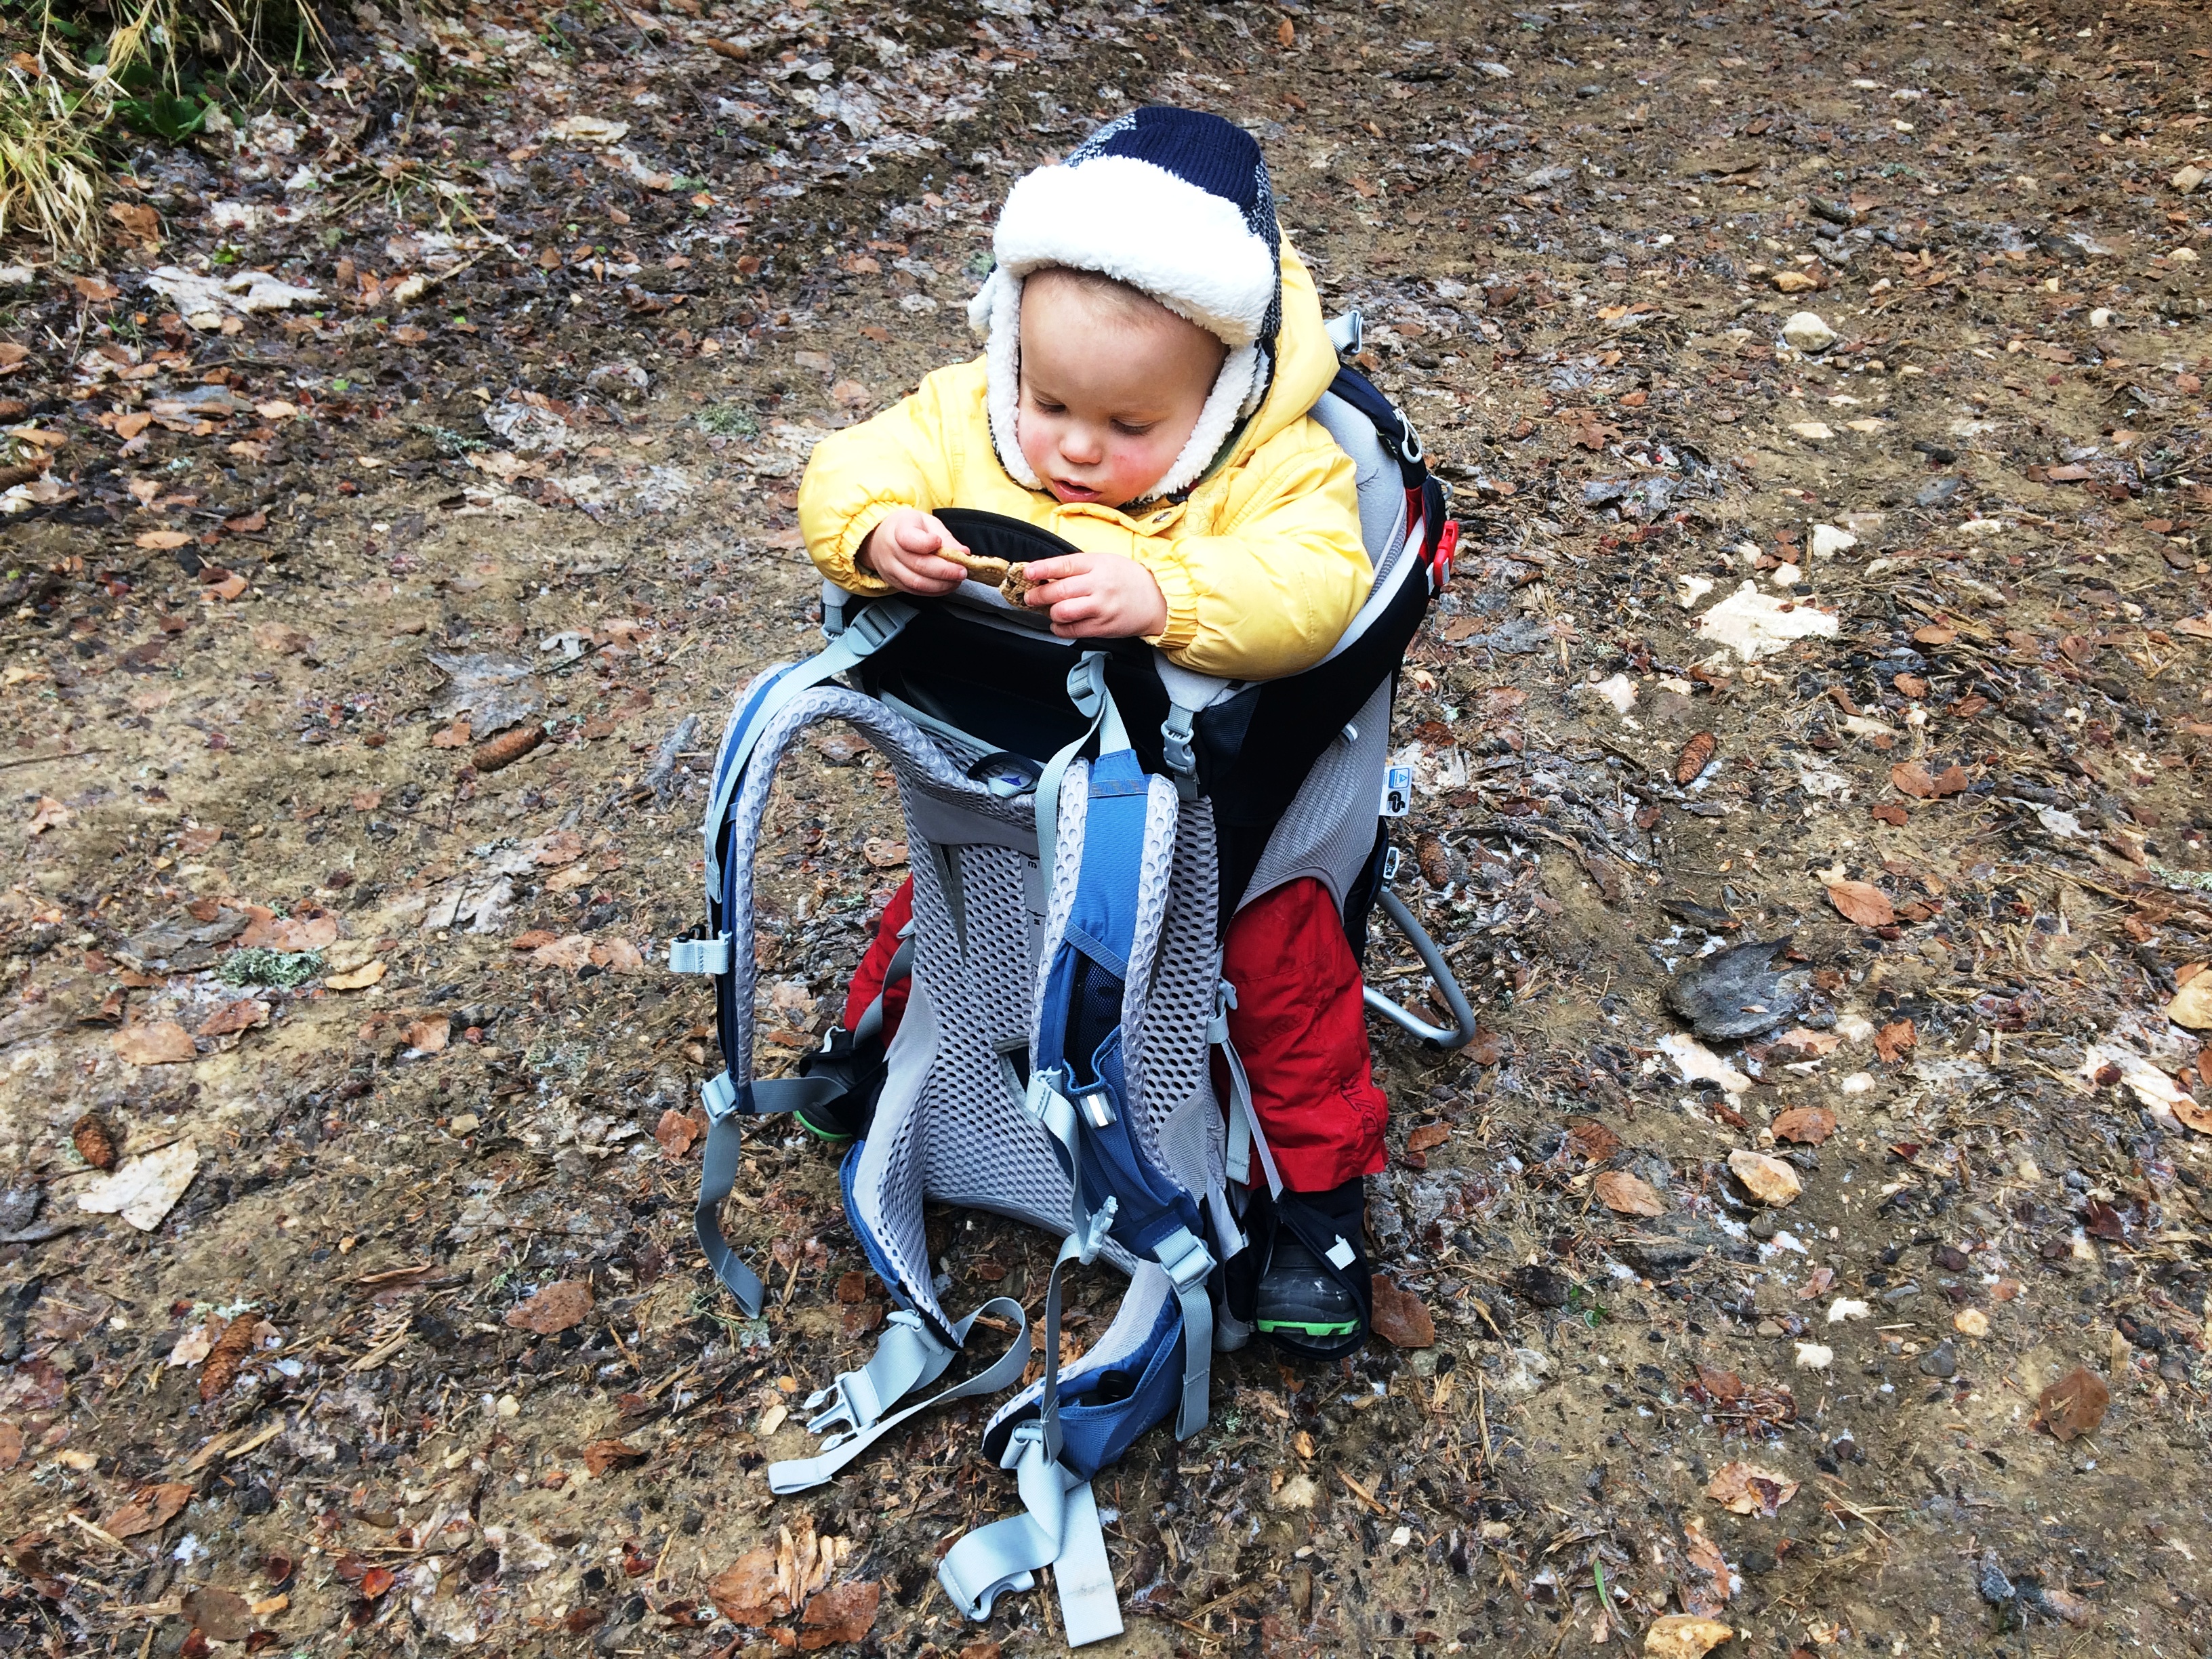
point(1750, 1489)
point(1399, 1318)
point(884, 854)
point(572, 953)
point(745, 1592)
point(1286, 33)
point(455, 736)
point(246, 524)
point(1911, 778)
point(359, 979)
point(1809, 1126)
point(1896, 1038)
point(51, 815)
point(11, 1445)
point(555, 1309)
point(139, 222)
point(843, 1612)
point(240, 1016)
point(1685, 1636)
point(279, 640)
point(227, 1357)
point(164, 541)
point(1723, 1386)
point(2075, 1405)
point(155, 1042)
point(428, 1034)
point(617, 955)
point(603, 1454)
point(219, 1614)
point(1592, 1139)
point(677, 1131)
point(1626, 1195)
point(1910, 685)
point(1862, 903)
point(376, 1580)
point(1426, 1136)
point(1770, 1180)
point(149, 1507)
point(1890, 812)
point(532, 940)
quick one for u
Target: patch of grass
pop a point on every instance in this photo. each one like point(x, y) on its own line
point(259, 965)
point(70, 86)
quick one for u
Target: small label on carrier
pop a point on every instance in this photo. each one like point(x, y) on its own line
point(1397, 792)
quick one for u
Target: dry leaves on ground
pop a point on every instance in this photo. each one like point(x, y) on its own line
point(1400, 1317)
point(359, 979)
point(677, 1131)
point(555, 1309)
point(1750, 1489)
point(1911, 778)
point(149, 1507)
point(1862, 903)
point(2075, 1405)
point(1685, 1636)
point(1592, 1139)
point(242, 1015)
point(51, 815)
point(155, 1042)
point(1809, 1126)
point(430, 1034)
point(1895, 1039)
point(748, 1590)
point(142, 1190)
point(1427, 1137)
point(603, 1454)
point(843, 1612)
point(1627, 1195)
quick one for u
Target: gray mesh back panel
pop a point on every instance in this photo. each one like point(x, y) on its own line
point(1329, 830)
point(950, 1127)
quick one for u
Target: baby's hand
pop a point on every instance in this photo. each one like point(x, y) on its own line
point(902, 548)
point(1096, 596)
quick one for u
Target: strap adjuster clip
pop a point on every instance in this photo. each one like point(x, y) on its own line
point(1189, 1268)
point(723, 1098)
point(696, 954)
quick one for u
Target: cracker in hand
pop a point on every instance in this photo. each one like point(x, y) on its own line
point(1011, 580)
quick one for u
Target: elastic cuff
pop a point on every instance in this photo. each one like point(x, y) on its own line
point(846, 553)
point(1182, 604)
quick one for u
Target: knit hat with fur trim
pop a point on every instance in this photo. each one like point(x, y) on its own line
point(1175, 203)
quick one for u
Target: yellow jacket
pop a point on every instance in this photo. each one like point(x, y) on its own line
point(1261, 563)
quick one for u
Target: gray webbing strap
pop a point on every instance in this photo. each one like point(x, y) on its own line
point(1244, 1133)
point(871, 1018)
point(797, 1474)
point(718, 1168)
point(1086, 690)
point(1187, 1262)
point(867, 634)
point(909, 1357)
point(1058, 1529)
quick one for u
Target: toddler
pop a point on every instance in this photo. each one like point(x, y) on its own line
point(1152, 349)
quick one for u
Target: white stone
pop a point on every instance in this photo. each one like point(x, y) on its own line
point(1827, 540)
point(1808, 332)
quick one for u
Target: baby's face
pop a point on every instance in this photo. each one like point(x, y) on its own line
point(1109, 393)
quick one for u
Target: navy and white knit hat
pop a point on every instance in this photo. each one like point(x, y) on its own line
point(1175, 203)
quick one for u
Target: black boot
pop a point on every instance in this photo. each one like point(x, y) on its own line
point(1313, 1296)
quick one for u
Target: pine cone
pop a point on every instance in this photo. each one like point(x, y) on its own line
point(94, 1144)
point(226, 1358)
point(507, 747)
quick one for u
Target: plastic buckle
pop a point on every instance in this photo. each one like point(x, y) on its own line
point(873, 626)
point(1440, 563)
point(696, 953)
point(1096, 1226)
point(1188, 1270)
point(1224, 999)
point(722, 1097)
point(1043, 1091)
point(837, 1400)
point(1390, 864)
point(1175, 741)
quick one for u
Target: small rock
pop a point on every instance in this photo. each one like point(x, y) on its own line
point(1901, 1295)
point(1937, 491)
point(1942, 1360)
point(2188, 178)
point(1541, 1286)
point(1769, 1179)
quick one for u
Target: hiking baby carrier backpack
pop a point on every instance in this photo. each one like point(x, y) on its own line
point(1083, 818)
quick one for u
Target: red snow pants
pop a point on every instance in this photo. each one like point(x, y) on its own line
point(1299, 1025)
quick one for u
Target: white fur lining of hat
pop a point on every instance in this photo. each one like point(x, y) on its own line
point(996, 312)
point(1138, 223)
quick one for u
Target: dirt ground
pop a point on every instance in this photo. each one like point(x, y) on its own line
point(1889, 651)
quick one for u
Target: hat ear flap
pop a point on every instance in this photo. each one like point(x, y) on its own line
point(1001, 319)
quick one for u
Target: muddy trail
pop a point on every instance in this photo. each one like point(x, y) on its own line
point(1811, 788)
